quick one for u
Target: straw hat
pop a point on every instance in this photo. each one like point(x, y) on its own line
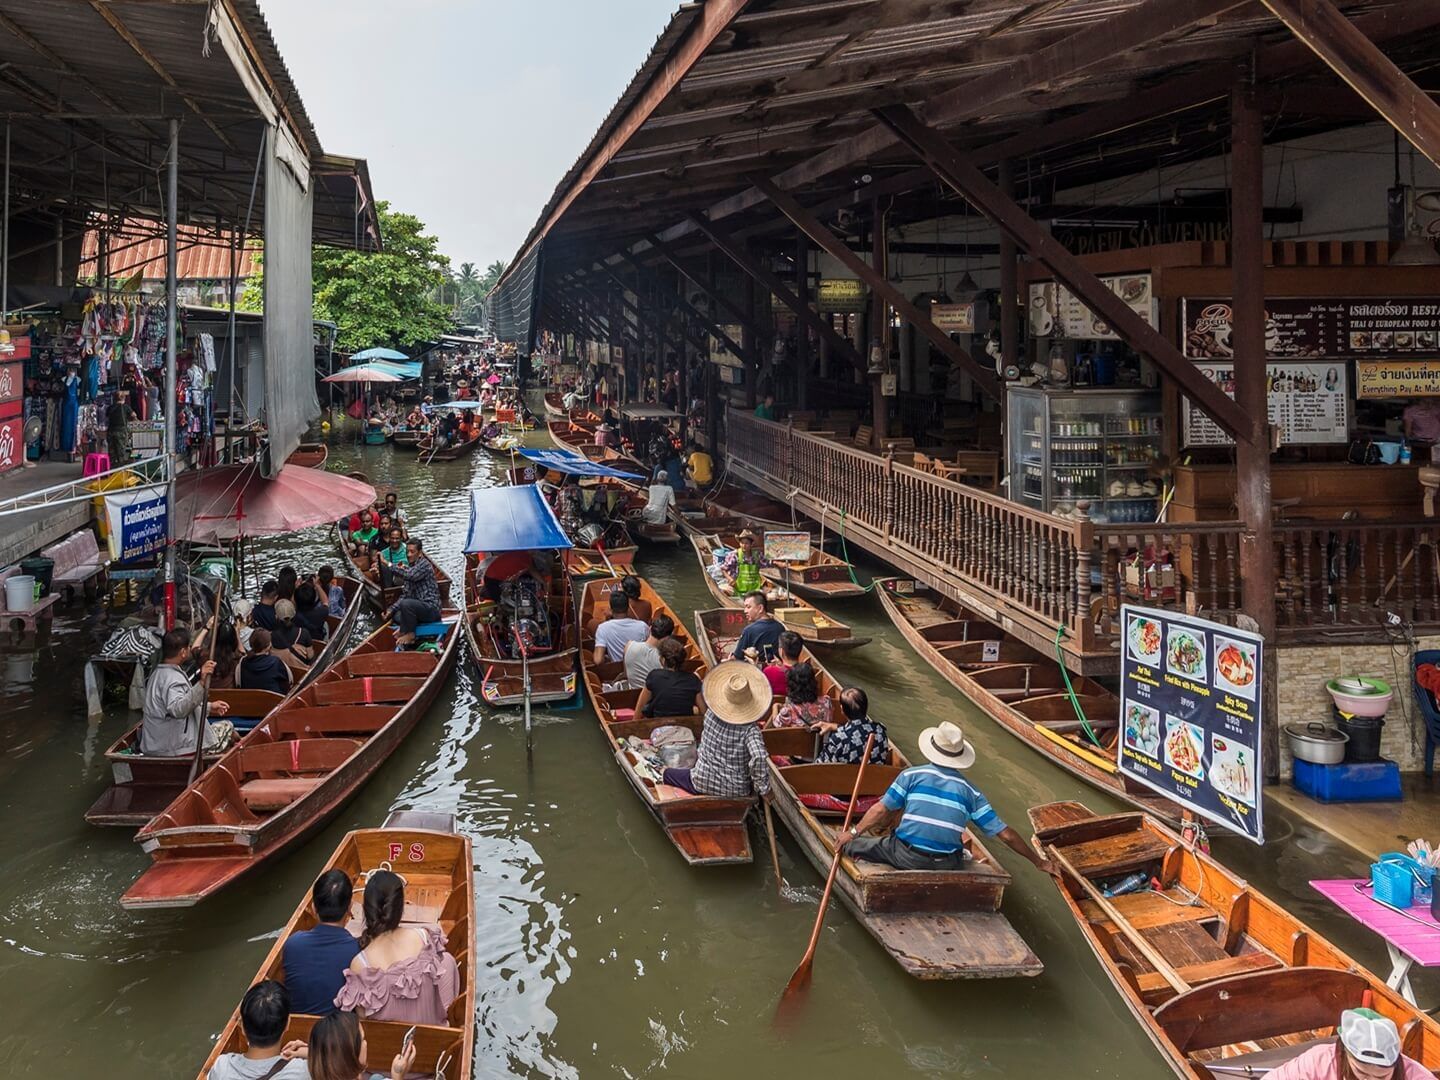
point(945, 745)
point(737, 692)
point(746, 534)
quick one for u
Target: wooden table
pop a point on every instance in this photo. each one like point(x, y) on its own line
point(1412, 937)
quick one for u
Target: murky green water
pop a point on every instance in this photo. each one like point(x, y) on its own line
point(602, 954)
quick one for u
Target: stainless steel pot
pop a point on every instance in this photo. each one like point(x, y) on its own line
point(1317, 743)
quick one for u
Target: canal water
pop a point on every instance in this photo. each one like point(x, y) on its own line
point(600, 954)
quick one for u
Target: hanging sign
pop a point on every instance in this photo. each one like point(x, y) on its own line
point(841, 296)
point(1054, 309)
point(137, 524)
point(1309, 403)
point(720, 353)
point(953, 318)
point(1397, 378)
point(1190, 714)
point(1310, 327)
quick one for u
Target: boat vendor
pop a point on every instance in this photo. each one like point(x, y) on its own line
point(174, 706)
point(759, 642)
point(420, 601)
point(415, 418)
point(927, 809)
point(742, 566)
point(1368, 1049)
point(731, 760)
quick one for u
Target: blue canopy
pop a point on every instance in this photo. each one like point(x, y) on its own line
point(409, 369)
point(512, 519)
point(379, 354)
point(573, 464)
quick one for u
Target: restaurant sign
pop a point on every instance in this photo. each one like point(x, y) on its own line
point(1055, 309)
point(841, 296)
point(953, 318)
point(1190, 714)
point(1319, 327)
point(1397, 378)
point(1307, 402)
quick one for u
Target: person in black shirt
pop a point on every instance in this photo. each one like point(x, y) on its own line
point(762, 632)
point(263, 614)
point(262, 669)
point(288, 634)
point(670, 690)
point(311, 611)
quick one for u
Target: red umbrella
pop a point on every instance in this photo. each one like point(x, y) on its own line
point(214, 505)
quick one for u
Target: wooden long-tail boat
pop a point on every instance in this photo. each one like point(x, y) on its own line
point(435, 862)
point(1020, 688)
point(820, 630)
point(144, 785)
point(1223, 979)
point(707, 830)
point(408, 438)
point(555, 406)
point(446, 453)
point(365, 570)
point(292, 772)
point(489, 627)
point(309, 455)
point(758, 511)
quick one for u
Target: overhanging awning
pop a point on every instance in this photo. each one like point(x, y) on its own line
point(575, 464)
point(512, 519)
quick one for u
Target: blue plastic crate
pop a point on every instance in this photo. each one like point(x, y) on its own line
point(1368, 781)
point(1393, 884)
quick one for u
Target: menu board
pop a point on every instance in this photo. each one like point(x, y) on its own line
point(1397, 378)
point(787, 546)
point(1055, 309)
point(1307, 328)
point(841, 295)
point(1190, 714)
point(1309, 403)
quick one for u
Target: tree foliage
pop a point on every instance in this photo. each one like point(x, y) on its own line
point(378, 298)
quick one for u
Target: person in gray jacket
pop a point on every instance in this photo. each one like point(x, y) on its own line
point(173, 705)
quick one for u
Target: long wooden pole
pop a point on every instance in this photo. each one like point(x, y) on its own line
point(774, 849)
point(205, 682)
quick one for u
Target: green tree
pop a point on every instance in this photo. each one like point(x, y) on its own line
point(390, 297)
point(491, 277)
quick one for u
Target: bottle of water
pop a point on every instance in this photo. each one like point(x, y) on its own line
point(1404, 453)
point(1131, 883)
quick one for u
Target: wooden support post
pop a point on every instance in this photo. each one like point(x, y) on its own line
point(756, 342)
point(879, 322)
point(1009, 282)
point(1252, 447)
point(802, 331)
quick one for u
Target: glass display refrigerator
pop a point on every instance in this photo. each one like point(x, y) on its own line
point(1101, 447)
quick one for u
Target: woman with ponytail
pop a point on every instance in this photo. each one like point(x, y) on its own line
point(401, 973)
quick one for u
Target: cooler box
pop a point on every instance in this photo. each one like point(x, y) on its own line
point(1370, 781)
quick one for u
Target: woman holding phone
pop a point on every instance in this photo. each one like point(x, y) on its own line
point(337, 1051)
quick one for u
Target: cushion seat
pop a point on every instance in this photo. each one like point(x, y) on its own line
point(278, 793)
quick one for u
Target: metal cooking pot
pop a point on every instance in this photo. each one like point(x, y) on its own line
point(1317, 743)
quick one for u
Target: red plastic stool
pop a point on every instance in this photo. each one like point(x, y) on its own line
point(96, 464)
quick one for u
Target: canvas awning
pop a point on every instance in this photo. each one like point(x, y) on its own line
point(512, 519)
point(573, 464)
point(648, 412)
point(220, 504)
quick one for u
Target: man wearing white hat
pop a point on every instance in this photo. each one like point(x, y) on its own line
point(731, 760)
point(1369, 1049)
point(927, 809)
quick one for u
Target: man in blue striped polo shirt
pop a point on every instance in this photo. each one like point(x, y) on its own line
point(927, 809)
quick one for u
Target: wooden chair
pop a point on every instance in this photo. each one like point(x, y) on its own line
point(978, 468)
point(925, 463)
point(864, 436)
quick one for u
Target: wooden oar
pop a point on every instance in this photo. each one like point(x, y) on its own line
point(205, 682)
point(774, 851)
point(800, 981)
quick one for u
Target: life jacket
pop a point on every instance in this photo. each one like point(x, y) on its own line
point(747, 573)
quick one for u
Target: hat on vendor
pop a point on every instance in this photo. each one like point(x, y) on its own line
point(737, 692)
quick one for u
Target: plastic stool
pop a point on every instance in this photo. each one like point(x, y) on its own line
point(96, 464)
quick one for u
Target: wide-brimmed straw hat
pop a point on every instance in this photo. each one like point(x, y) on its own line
point(746, 534)
point(737, 692)
point(946, 745)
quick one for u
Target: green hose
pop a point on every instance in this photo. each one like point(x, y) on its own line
point(1070, 690)
point(845, 554)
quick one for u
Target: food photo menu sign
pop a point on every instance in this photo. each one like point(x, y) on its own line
point(1190, 714)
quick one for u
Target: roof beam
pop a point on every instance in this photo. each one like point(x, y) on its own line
point(642, 272)
point(983, 377)
point(662, 332)
point(1365, 69)
point(967, 179)
point(672, 256)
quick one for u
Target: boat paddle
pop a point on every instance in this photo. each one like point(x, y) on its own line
point(774, 851)
point(799, 984)
point(205, 682)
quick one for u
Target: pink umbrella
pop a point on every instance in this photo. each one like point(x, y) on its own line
point(493, 380)
point(363, 375)
point(215, 505)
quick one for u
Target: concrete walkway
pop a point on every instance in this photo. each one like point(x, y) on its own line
point(26, 533)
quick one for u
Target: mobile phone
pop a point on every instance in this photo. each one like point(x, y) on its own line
point(407, 1040)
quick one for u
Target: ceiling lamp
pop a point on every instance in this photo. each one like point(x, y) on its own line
point(967, 288)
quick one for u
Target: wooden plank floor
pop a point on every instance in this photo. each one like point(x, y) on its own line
point(1371, 828)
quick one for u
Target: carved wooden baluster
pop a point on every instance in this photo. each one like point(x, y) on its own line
point(1416, 558)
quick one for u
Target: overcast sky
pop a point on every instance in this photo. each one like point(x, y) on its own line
point(469, 111)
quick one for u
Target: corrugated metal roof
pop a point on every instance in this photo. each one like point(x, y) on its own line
point(133, 249)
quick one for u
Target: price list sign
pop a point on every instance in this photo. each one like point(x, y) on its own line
point(1190, 714)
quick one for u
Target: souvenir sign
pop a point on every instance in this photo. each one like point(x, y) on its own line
point(841, 296)
point(1190, 714)
point(787, 546)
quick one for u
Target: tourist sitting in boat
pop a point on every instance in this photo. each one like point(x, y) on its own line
point(263, 614)
point(1368, 1049)
point(262, 669)
point(330, 588)
point(401, 973)
point(395, 514)
point(618, 631)
point(804, 705)
point(244, 611)
point(174, 706)
point(415, 418)
point(264, 1015)
point(927, 808)
point(742, 565)
point(643, 657)
point(392, 554)
point(362, 539)
point(659, 501)
point(420, 601)
point(699, 468)
point(337, 1051)
point(843, 743)
point(315, 960)
point(640, 608)
point(731, 760)
point(787, 654)
point(311, 612)
point(758, 641)
point(291, 640)
point(227, 656)
point(670, 690)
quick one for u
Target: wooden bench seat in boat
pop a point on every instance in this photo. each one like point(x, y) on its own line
point(1143, 910)
point(368, 690)
point(277, 793)
point(390, 663)
point(1117, 855)
point(290, 756)
point(979, 652)
point(332, 720)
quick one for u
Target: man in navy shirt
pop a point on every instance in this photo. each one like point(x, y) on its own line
point(762, 632)
point(316, 960)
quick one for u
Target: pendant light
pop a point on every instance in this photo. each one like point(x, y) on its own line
point(966, 288)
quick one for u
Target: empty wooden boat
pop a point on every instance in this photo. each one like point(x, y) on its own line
point(434, 859)
point(555, 406)
point(1023, 690)
point(1224, 980)
point(759, 511)
point(309, 455)
point(707, 830)
point(821, 576)
point(408, 438)
point(143, 785)
point(294, 770)
point(820, 630)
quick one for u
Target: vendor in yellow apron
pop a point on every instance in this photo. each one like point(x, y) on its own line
point(747, 565)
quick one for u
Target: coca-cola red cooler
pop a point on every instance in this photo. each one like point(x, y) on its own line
point(12, 415)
